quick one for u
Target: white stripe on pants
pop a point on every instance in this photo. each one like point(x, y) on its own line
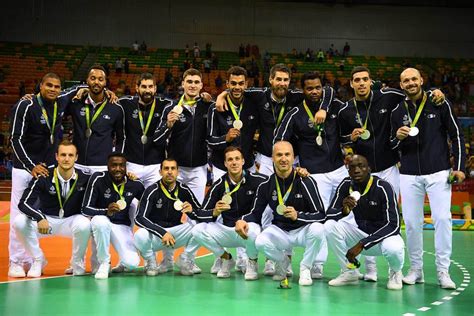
point(274, 241)
point(121, 238)
point(342, 236)
point(392, 176)
point(20, 180)
point(413, 190)
point(77, 227)
point(195, 178)
point(148, 243)
point(216, 236)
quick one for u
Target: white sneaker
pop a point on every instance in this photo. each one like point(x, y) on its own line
point(345, 278)
point(36, 269)
point(103, 271)
point(281, 269)
point(16, 271)
point(226, 265)
point(216, 266)
point(251, 271)
point(445, 281)
point(370, 273)
point(150, 267)
point(414, 276)
point(165, 265)
point(269, 268)
point(78, 269)
point(185, 265)
point(305, 277)
point(395, 280)
point(317, 271)
point(195, 268)
point(241, 264)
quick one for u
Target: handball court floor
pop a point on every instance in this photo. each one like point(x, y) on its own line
point(205, 294)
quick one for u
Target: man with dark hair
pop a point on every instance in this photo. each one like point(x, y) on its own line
point(363, 218)
point(159, 216)
point(35, 133)
point(317, 144)
point(235, 127)
point(231, 196)
point(51, 206)
point(107, 200)
point(98, 124)
point(420, 131)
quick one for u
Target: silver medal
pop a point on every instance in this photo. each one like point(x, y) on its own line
point(281, 209)
point(61, 213)
point(144, 139)
point(238, 124)
point(121, 204)
point(178, 205)
point(178, 109)
point(319, 140)
point(413, 131)
point(365, 134)
point(88, 132)
point(355, 195)
point(227, 199)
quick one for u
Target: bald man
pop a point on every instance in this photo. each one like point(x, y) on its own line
point(420, 130)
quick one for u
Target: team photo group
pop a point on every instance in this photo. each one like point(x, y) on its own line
point(289, 168)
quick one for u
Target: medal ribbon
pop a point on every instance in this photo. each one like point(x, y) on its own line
point(368, 111)
point(317, 127)
point(168, 195)
point(45, 115)
point(183, 101)
point(280, 115)
point(282, 200)
point(119, 189)
point(367, 187)
point(58, 190)
point(96, 114)
point(237, 187)
point(232, 108)
point(418, 113)
point(150, 116)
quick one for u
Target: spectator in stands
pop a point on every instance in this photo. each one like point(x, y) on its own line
point(168, 77)
point(241, 50)
point(320, 56)
point(207, 65)
point(218, 81)
point(331, 51)
point(294, 53)
point(346, 49)
point(247, 50)
point(135, 47)
point(186, 51)
point(126, 66)
point(208, 50)
point(186, 65)
point(21, 89)
point(215, 61)
point(196, 50)
point(143, 48)
point(309, 55)
point(118, 65)
point(342, 65)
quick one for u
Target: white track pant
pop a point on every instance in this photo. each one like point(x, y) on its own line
point(274, 241)
point(392, 176)
point(147, 174)
point(77, 227)
point(413, 189)
point(148, 243)
point(195, 178)
point(341, 236)
point(265, 164)
point(216, 236)
point(20, 180)
point(121, 237)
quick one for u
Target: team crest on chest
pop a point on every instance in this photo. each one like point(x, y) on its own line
point(405, 120)
point(52, 190)
point(229, 120)
point(267, 106)
point(107, 193)
point(106, 117)
point(82, 111)
point(274, 195)
point(310, 123)
point(182, 118)
point(135, 114)
point(159, 203)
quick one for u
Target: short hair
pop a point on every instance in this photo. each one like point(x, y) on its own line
point(236, 71)
point(310, 75)
point(65, 142)
point(50, 75)
point(96, 67)
point(357, 69)
point(233, 148)
point(279, 67)
point(116, 154)
point(192, 72)
point(170, 159)
point(145, 76)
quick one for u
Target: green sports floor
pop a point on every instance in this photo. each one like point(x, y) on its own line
point(204, 294)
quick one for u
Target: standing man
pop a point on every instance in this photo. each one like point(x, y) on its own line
point(159, 216)
point(98, 124)
point(363, 219)
point(420, 130)
point(234, 127)
point(231, 196)
point(35, 134)
point(298, 214)
point(107, 200)
point(58, 212)
point(317, 144)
